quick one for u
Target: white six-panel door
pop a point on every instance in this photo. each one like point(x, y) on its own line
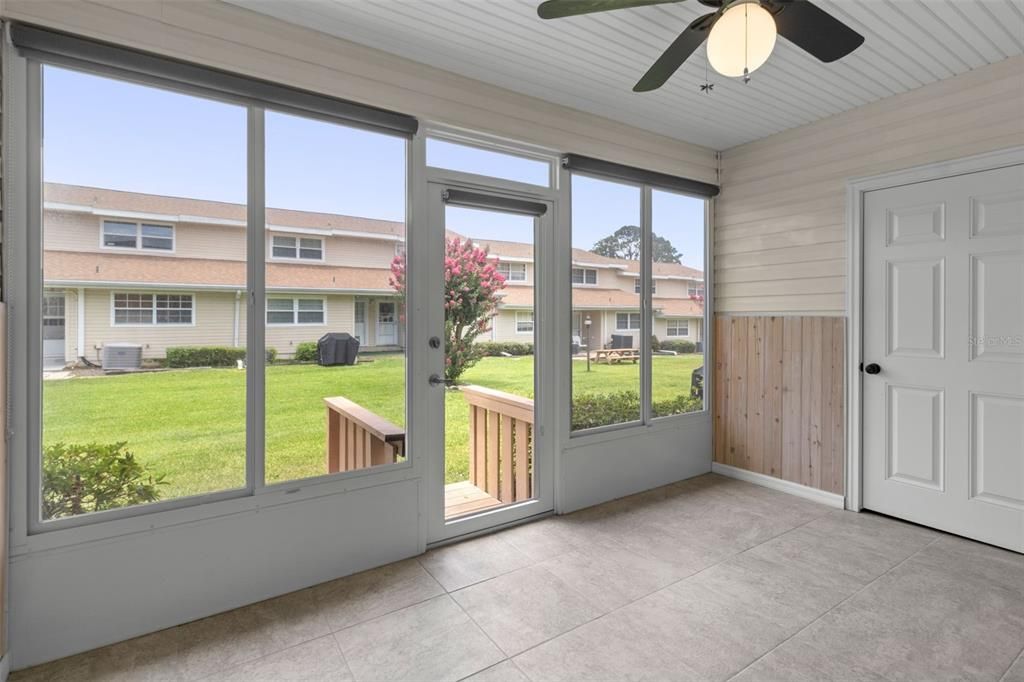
point(943, 438)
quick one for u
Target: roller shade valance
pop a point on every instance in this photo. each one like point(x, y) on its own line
point(68, 50)
point(459, 197)
point(586, 164)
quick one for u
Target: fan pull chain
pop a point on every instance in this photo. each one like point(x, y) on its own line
point(746, 42)
point(708, 85)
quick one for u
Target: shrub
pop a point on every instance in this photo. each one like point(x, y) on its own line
point(204, 356)
point(600, 409)
point(499, 348)
point(679, 346)
point(655, 344)
point(471, 285)
point(78, 479)
point(305, 352)
point(271, 355)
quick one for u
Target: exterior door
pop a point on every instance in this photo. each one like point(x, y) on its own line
point(359, 323)
point(387, 327)
point(943, 418)
point(53, 331)
point(492, 456)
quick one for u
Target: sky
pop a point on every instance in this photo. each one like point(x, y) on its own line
point(106, 133)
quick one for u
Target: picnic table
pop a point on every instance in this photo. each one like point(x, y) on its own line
point(613, 356)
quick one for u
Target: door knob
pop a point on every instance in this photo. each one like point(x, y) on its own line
point(436, 380)
point(873, 368)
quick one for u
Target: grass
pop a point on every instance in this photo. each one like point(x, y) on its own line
point(189, 424)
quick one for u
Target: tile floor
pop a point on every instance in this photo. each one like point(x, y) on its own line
point(707, 579)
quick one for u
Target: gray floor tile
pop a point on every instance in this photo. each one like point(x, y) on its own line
point(608, 648)
point(610, 576)
point(375, 592)
point(314, 661)
point(521, 609)
point(433, 640)
point(506, 671)
point(1016, 670)
point(472, 561)
point(922, 620)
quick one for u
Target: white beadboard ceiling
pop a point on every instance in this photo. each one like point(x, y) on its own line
point(590, 63)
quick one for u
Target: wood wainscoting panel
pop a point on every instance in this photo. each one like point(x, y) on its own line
point(778, 405)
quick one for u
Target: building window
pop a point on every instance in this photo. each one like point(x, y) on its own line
point(627, 321)
point(295, 311)
point(169, 309)
point(512, 272)
point(678, 328)
point(524, 322)
point(636, 286)
point(298, 248)
point(119, 234)
point(584, 276)
point(695, 290)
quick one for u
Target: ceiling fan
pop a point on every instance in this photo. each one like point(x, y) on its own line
point(740, 33)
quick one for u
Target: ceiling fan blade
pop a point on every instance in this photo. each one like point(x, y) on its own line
point(677, 53)
point(556, 9)
point(815, 30)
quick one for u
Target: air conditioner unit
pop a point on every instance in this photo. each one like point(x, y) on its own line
point(122, 356)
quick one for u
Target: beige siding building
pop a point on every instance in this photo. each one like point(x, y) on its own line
point(159, 272)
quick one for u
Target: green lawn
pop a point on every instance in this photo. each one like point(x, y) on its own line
point(188, 424)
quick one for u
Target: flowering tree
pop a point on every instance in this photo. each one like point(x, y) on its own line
point(471, 286)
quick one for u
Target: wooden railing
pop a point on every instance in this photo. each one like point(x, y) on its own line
point(500, 443)
point(358, 438)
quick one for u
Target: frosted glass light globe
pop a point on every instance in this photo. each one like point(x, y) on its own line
point(743, 37)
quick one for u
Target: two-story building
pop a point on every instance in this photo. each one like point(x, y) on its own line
point(159, 271)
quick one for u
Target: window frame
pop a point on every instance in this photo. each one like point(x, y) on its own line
point(676, 321)
point(531, 321)
point(509, 279)
point(297, 238)
point(584, 270)
point(153, 308)
point(255, 493)
point(29, 528)
point(583, 437)
point(295, 300)
point(629, 322)
point(139, 224)
point(637, 288)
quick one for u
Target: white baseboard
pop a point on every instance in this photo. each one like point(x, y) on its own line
point(808, 493)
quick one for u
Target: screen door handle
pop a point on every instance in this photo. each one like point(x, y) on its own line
point(436, 380)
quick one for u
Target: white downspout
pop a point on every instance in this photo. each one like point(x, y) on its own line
point(238, 314)
point(81, 324)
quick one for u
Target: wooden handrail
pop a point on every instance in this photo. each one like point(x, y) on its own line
point(377, 425)
point(514, 406)
point(358, 438)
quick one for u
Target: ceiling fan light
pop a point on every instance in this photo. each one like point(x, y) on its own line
point(742, 39)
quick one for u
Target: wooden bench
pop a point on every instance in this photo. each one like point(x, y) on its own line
point(613, 356)
point(358, 438)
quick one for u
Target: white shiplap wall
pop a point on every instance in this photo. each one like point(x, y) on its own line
point(238, 40)
point(780, 237)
